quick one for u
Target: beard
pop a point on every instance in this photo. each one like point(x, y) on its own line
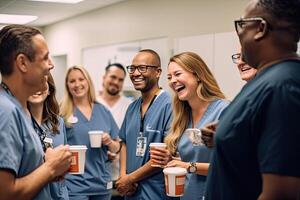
point(112, 92)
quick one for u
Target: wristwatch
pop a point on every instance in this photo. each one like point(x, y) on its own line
point(192, 167)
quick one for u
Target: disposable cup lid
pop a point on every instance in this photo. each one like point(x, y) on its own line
point(157, 144)
point(175, 170)
point(78, 147)
point(95, 132)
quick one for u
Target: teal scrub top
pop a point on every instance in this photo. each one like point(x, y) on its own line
point(96, 179)
point(21, 151)
point(157, 122)
point(195, 185)
point(58, 189)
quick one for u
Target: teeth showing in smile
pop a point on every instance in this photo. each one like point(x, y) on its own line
point(179, 88)
point(137, 80)
point(245, 68)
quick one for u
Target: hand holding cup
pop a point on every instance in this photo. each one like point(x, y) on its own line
point(58, 160)
point(208, 132)
point(159, 154)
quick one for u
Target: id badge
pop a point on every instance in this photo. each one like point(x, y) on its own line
point(141, 146)
point(48, 142)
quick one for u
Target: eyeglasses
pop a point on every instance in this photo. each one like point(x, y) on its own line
point(141, 68)
point(241, 23)
point(236, 58)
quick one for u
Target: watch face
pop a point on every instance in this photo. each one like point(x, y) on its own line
point(192, 169)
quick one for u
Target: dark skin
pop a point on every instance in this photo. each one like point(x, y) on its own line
point(275, 186)
point(128, 183)
point(208, 132)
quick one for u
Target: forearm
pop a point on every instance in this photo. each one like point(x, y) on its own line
point(277, 187)
point(25, 187)
point(143, 172)
point(202, 168)
point(123, 160)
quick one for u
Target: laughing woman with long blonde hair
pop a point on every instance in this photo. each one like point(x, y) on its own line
point(197, 101)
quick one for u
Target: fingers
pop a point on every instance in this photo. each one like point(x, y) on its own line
point(171, 164)
point(106, 139)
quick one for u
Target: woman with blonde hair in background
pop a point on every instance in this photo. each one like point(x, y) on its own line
point(44, 111)
point(197, 101)
point(82, 114)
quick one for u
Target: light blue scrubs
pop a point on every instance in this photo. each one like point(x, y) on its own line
point(58, 189)
point(195, 185)
point(21, 150)
point(96, 179)
point(156, 125)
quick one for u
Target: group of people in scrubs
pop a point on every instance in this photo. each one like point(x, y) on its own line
point(250, 148)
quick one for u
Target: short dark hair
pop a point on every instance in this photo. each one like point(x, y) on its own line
point(284, 10)
point(14, 40)
point(154, 54)
point(118, 65)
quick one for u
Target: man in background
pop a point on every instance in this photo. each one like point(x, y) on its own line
point(110, 96)
point(246, 72)
point(117, 104)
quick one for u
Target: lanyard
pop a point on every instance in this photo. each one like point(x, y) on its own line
point(41, 133)
point(143, 117)
point(7, 90)
point(36, 126)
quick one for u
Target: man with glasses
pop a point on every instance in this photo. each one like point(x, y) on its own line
point(246, 72)
point(147, 120)
point(256, 153)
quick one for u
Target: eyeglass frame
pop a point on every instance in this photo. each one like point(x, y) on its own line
point(138, 67)
point(238, 27)
point(236, 58)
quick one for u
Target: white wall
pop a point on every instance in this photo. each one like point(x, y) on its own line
point(135, 20)
point(141, 19)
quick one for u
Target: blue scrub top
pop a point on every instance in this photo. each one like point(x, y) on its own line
point(21, 150)
point(96, 179)
point(156, 126)
point(258, 133)
point(195, 184)
point(59, 189)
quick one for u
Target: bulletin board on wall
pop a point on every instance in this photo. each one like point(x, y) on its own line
point(96, 58)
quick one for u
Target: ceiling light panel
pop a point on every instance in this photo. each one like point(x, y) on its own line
point(59, 1)
point(16, 19)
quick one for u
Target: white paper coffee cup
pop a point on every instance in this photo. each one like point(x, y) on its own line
point(174, 181)
point(157, 145)
point(194, 135)
point(78, 159)
point(95, 138)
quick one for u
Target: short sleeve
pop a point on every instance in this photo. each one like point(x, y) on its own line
point(10, 141)
point(279, 146)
